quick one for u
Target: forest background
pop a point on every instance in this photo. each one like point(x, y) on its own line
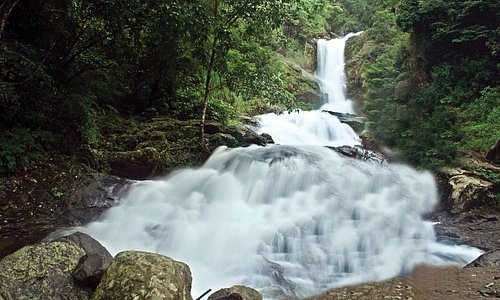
point(425, 72)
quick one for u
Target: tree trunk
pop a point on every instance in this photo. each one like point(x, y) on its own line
point(208, 79)
point(5, 8)
point(207, 92)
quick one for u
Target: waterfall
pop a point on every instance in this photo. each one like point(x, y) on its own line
point(290, 220)
point(316, 127)
point(330, 73)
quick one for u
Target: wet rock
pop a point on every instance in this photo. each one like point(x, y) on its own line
point(42, 271)
point(138, 164)
point(356, 123)
point(359, 152)
point(467, 191)
point(488, 259)
point(142, 275)
point(237, 292)
point(371, 144)
point(494, 154)
point(475, 229)
point(93, 264)
point(268, 137)
point(246, 136)
point(90, 195)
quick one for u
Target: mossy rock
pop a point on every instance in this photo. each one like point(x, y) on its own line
point(42, 271)
point(138, 164)
point(236, 292)
point(141, 275)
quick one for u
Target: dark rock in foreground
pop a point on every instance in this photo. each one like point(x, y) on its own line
point(237, 292)
point(92, 266)
point(142, 275)
point(42, 271)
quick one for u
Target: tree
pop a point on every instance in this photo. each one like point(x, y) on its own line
point(224, 16)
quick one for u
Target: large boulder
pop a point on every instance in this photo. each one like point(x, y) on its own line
point(245, 136)
point(93, 264)
point(142, 275)
point(466, 191)
point(42, 271)
point(236, 292)
point(488, 259)
point(137, 164)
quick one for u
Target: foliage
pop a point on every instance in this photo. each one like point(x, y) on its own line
point(480, 121)
point(56, 192)
point(20, 145)
point(433, 95)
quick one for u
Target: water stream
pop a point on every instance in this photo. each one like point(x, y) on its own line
point(291, 219)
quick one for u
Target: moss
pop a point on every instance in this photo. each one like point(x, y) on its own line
point(42, 269)
point(142, 275)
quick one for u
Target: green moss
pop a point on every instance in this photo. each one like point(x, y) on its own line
point(42, 269)
point(142, 275)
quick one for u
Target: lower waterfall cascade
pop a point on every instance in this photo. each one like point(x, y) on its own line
point(291, 219)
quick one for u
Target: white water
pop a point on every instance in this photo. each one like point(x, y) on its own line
point(317, 127)
point(291, 220)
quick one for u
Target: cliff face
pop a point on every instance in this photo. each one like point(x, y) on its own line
point(357, 49)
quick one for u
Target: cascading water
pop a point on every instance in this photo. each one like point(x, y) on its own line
point(331, 75)
point(288, 220)
point(317, 127)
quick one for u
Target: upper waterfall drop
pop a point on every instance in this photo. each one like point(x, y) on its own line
point(316, 127)
point(331, 75)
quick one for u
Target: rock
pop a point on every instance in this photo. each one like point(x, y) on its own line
point(359, 152)
point(252, 138)
point(213, 128)
point(474, 228)
point(308, 94)
point(268, 137)
point(358, 50)
point(90, 195)
point(42, 271)
point(142, 275)
point(138, 164)
point(93, 264)
point(221, 139)
point(237, 292)
point(494, 154)
point(488, 259)
point(356, 123)
point(252, 121)
point(371, 144)
point(467, 191)
point(246, 136)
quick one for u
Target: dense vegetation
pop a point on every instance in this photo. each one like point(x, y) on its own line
point(429, 68)
point(67, 66)
point(430, 73)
